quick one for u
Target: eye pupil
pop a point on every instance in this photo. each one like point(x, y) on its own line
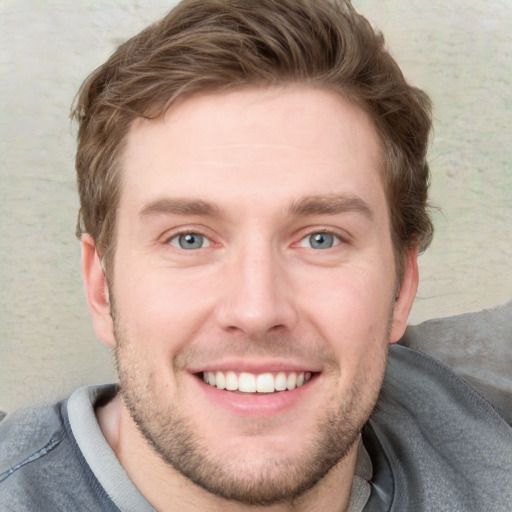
point(321, 241)
point(191, 241)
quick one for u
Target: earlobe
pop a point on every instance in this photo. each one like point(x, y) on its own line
point(96, 291)
point(405, 296)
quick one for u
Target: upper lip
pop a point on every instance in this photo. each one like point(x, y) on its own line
point(256, 366)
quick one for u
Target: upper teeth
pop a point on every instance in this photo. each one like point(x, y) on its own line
point(256, 383)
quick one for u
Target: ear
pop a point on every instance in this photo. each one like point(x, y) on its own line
point(96, 291)
point(405, 296)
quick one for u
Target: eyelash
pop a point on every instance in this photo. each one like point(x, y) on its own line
point(184, 232)
point(337, 239)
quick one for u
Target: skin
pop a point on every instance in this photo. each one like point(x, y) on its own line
point(256, 172)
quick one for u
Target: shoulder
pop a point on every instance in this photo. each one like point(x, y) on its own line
point(441, 444)
point(41, 467)
point(29, 440)
point(477, 346)
point(26, 434)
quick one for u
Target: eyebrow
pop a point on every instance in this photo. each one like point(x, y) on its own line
point(309, 205)
point(330, 205)
point(178, 206)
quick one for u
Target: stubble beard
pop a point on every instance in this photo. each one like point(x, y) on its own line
point(173, 436)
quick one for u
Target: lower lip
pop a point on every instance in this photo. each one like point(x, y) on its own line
point(256, 404)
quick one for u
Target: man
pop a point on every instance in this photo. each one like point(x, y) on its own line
point(253, 186)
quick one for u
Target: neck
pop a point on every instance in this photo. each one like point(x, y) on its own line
point(164, 487)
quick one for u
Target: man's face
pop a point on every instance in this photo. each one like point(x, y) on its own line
point(254, 249)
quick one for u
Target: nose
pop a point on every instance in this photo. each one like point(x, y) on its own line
point(258, 295)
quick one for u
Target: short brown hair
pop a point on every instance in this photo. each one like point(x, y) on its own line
point(215, 45)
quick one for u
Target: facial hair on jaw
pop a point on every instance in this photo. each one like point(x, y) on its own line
point(172, 434)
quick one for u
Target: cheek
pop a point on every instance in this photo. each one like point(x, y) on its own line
point(353, 319)
point(349, 302)
point(161, 301)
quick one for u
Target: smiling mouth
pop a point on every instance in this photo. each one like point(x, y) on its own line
point(256, 383)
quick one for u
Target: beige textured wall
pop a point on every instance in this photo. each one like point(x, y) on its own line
point(459, 51)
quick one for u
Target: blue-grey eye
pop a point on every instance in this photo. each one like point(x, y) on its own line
point(319, 241)
point(189, 241)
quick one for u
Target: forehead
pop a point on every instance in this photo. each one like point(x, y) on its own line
point(265, 144)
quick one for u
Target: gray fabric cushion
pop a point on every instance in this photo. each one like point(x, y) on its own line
point(478, 346)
